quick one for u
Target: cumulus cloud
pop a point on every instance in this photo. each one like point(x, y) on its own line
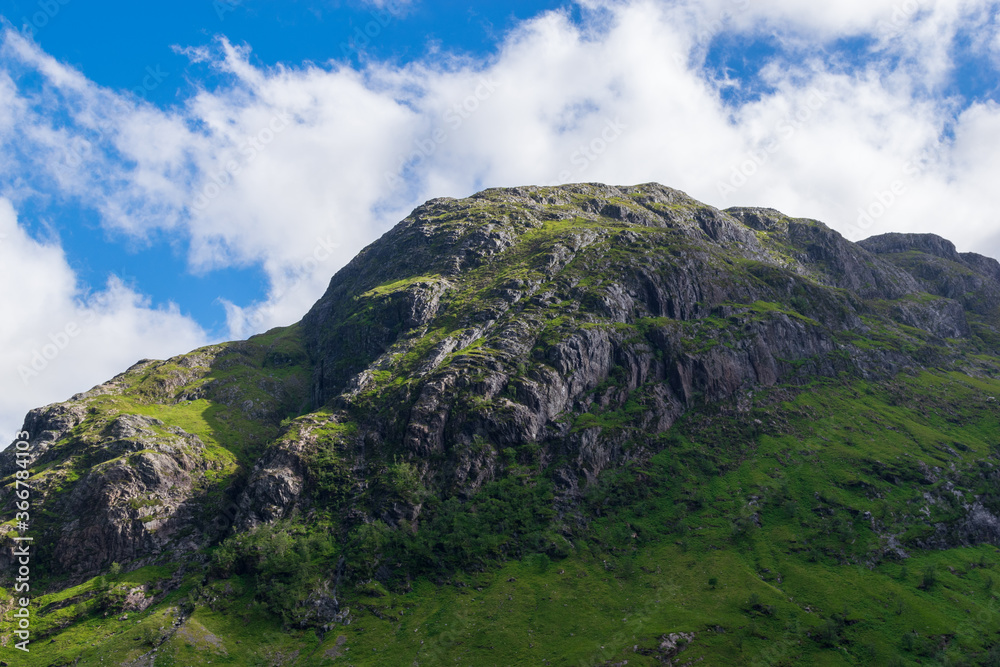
point(57, 339)
point(294, 169)
point(391, 5)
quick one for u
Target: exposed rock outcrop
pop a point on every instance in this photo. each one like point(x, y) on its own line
point(581, 321)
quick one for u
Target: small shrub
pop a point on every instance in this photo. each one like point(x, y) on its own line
point(828, 633)
point(791, 508)
point(756, 607)
point(285, 563)
point(542, 562)
point(993, 657)
point(149, 635)
point(111, 599)
point(404, 481)
point(743, 526)
point(929, 578)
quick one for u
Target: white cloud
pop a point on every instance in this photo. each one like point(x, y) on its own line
point(391, 5)
point(56, 340)
point(296, 168)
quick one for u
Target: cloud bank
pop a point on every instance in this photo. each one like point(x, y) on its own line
point(55, 335)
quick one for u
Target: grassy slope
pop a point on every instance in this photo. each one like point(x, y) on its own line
point(795, 590)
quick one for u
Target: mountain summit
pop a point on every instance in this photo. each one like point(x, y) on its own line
point(547, 425)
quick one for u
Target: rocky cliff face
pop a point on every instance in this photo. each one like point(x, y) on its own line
point(967, 278)
point(113, 482)
point(528, 310)
point(579, 322)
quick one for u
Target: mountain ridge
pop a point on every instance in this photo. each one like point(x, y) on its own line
point(501, 357)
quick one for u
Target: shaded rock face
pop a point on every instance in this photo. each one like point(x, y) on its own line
point(978, 525)
point(508, 410)
point(514, 314)
point(895, 243)
point(354, 323)
point(828, 257)
point(136, 503)
point(942, 317)
point(970, 279)
point(275, 486)
point(45, 426)
point(536, 320)
point(114, 485)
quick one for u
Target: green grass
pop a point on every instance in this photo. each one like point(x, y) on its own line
point(769, 530)
point(774, 514)
point(398, 285)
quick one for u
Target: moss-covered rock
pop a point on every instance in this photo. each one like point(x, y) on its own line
point(600, 389)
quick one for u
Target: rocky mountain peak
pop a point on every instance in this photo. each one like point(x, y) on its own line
point(497, 373)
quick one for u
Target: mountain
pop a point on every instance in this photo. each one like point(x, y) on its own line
point(545, 425)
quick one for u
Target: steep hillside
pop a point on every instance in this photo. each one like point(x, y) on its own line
point(571, 425)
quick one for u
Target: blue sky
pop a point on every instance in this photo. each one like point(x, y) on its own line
point(130, 48)
point(176, 175)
